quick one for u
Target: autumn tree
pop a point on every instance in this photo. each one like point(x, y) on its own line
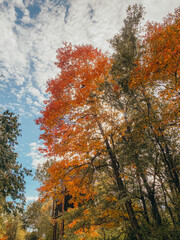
point(158, 71)
point(79, 127)
point(147, 91)
point(116, 119)
point(156, 79)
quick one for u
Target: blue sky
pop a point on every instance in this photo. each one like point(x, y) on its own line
point(30, 33)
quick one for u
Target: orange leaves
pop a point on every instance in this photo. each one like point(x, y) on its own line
point(81, 67)
point(4, 238)
point(68, 175)
point(73, 223)
point(88, 233)
point(160, 59)
point(73, 92)
point(84, 225)
point(69, 123)
point(157, 71)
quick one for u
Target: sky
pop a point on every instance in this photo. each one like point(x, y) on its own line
point(31, 31)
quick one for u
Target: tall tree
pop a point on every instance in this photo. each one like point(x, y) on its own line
point(106, 120)
point(12, 183)
point(67, 114)
point(156, 78)
point(147, 91)
point(74, 123)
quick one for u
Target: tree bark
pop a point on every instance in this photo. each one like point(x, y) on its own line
point(154, 207)
point(121, 188)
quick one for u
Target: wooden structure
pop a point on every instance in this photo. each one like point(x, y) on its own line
point(58, 210)
point(59, 207)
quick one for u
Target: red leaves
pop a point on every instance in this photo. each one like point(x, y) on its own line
point(68, 120)
point(83, 69)
point(160, 59)
point(157, 71)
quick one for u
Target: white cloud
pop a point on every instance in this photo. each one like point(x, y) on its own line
point(29, 101)
point(158, 9)
point(34, 110)
point(31, 198)
point(36, 93)
point(28, 52)
point(20, 4)
point(13, 59)
point(37, 158)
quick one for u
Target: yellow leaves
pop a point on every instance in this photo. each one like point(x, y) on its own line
point(111, 198)
point(46, 206)
point(109, 225)
point(136, 207)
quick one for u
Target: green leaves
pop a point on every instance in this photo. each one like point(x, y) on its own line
point(12, 183)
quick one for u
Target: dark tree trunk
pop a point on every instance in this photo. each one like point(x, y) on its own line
point(54, 231)
point(121, 188)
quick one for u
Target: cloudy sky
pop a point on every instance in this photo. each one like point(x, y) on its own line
point(30, 33)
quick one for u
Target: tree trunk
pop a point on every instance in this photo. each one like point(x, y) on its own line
point(121, 188)
point(154, 207)
point(143, 200)
point(54, 231)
